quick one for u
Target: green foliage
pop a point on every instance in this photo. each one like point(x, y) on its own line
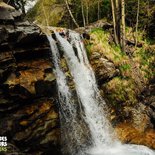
point(58, 15)
point(97, 30)
point(150, 41)
point(75, 6)
point(125, 67)
point(146, 15)
point(106, 9)
point(147, 58)
point(31, 15)
point(120, 91)
point(117, 48)
point(133, 71)
point(47, 12)
point(88, 49)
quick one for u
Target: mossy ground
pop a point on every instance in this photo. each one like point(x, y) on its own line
point(136, 66)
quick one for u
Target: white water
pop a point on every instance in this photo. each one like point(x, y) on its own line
point(101, 133)
point(30, 4)
point(72, 131)
point(86, 89)
point(63, 89)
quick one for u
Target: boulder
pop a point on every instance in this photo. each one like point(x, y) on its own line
point(8, 13)
point(127, 133)
point(104, 69)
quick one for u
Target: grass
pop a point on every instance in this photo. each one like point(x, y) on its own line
point(100, 41)
point(125, 67)
point(146, 59)
point(135, 71)
point(121, 91)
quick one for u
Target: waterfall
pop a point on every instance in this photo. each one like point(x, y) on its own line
point(101, 136)
point(30, 4)
point(70, 124)
point(86, 88)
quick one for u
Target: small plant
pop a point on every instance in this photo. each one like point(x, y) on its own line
point(88, 49)
point(121, 91)
point(125, 67)
point(97, 30)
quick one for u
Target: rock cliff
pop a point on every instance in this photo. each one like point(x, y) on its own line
point(28, 112)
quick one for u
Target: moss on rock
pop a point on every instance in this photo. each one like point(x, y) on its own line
point(135, 67)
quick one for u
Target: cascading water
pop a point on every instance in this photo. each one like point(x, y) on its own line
point(70, 125)
point(103, 141)
point(86, 89)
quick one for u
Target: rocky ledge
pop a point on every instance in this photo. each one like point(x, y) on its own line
point(28, 112)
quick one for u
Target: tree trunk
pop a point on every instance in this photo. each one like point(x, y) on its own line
point(137, 21)
point(118, 19)
point(70, 12)
point(123, 25)
point(87, 14)
point(98, 9)
point(114, 21)
point(45, 15)
point(83, 15)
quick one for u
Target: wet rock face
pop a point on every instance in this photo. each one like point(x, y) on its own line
point(127, 133)
point(148, 97)
point(8, 13)
point(104, 69)
point(28, 108)
point(142, 129)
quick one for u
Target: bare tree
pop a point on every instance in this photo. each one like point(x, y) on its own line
point(118, 14)
point(98, 9)
point(83, 15)
point(118, 19)
point(45, 15)
point(70, 12)
point(137, 21)
point(114, 21)
point(123, 25)
point(87, 13)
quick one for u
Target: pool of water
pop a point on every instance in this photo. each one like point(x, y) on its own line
point(120, 149)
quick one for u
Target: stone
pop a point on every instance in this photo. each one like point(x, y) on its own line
point(28, 110)
point(8, 13)
point(104, 69)
point(127, 133)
